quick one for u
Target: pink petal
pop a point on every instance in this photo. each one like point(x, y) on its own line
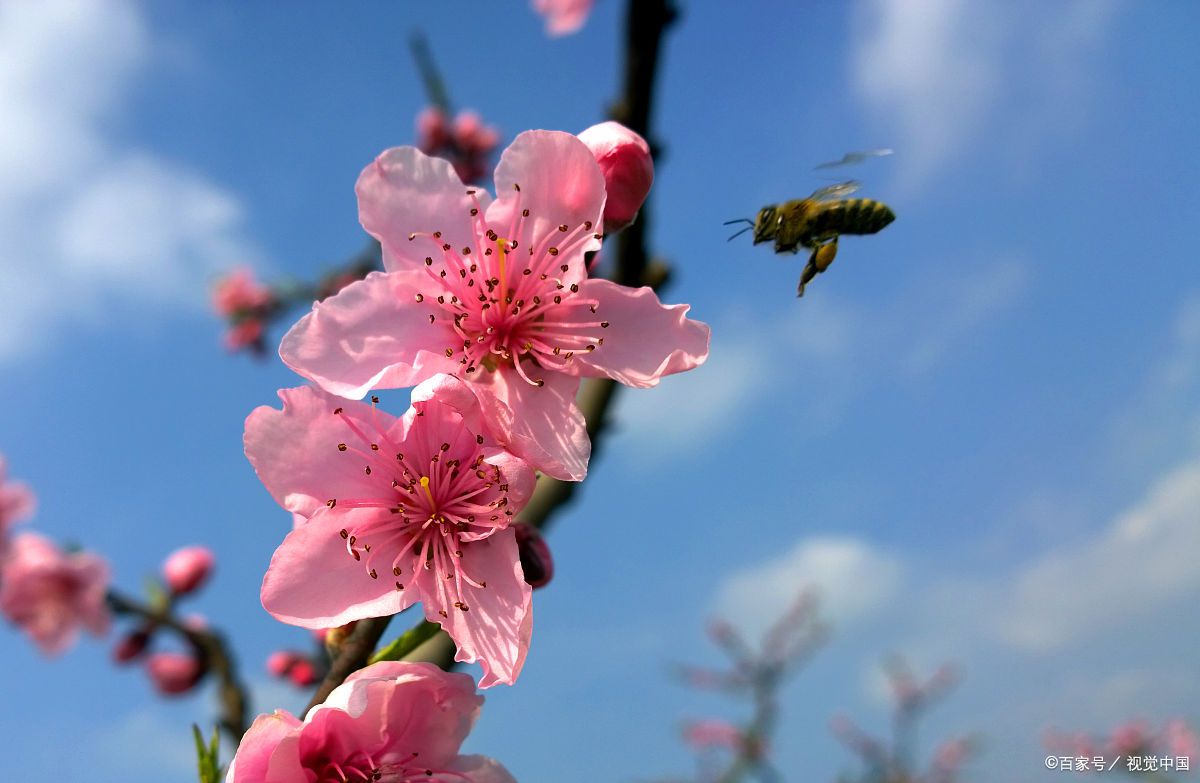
point(294, 450)
point(517, 474)
point(430, 710)
point(258, 744)
point(371, 334)
point(313, 582)
point(481, 769)
point(404, 191)
point(496, 626)
point(561, 184)
point(644, 340)
point(542, 425)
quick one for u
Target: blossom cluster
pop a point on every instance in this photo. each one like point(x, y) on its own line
point(46, 592)
point(485, 308)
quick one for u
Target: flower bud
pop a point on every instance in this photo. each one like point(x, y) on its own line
point(303, 673)
point(174, 673)
point(624, 158)
point(280, 662)
point(536, 562)
point(433, 129)
point(131, 645)
point(186, 569)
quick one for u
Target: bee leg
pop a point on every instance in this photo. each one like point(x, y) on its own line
point(823, 256)
point(810, 271)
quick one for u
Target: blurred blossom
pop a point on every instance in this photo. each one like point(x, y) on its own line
point(624, 158)
point(563, 17)
point(303, 673)
point(280, 661)
point(467, 143)
point(245, 304)
point(186, 569)
point(17, 503)
point(705, 734)
point(131, 645)
point(392, 721)
point(50, 594)
point(1180, 740)
point(1130, 738)
point(174, 673)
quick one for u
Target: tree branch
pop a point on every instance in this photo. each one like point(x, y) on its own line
point(214, 652)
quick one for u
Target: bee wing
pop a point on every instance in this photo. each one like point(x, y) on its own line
point(851, 158)
point(840, 190)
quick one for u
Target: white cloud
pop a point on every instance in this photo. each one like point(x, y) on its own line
point(852, 579)
point(1144, 559)
point(937, 72)
point(86, 222)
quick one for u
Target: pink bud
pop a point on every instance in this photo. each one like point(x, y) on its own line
point(432, 129)
point(624, 158)
point(174, 673)
point(302, 673)
point(186, 569)
point(280, 662)
point(130, 646)
point(536, 562)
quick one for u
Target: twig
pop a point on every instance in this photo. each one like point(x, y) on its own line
point(210, 644)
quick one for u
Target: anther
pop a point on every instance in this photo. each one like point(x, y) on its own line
point(342, 447)
point(420, 297)
point(337, 411)
point(553, 251)
point(374, 574)
point(524, 213)
point(563, 227)
point(344, 533)
point(331, 502)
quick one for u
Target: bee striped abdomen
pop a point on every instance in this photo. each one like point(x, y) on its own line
point(852, 216)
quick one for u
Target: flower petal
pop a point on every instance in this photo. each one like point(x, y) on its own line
point(644, 340)
point(313, 582)
point(481, 769)
point(295, 452)
point(371, 334)
point(496, 626)
point(257, 746)
point(561, 184)
point(405, 191)
point(540, 424)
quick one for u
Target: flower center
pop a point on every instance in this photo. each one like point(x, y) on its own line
point(509, 307)
point(432, 501)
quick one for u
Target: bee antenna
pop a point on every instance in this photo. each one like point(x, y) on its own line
point(739, 233)
point(738, 220)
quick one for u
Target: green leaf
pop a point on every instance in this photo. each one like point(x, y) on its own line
point(206, 755)
point(407, 642)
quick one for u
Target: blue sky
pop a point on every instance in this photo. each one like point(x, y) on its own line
point(979, 433)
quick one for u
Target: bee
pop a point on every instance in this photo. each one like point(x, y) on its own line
point(815, 223)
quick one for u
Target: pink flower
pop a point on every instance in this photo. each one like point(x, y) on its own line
point(174, 673)
point(1181, 740)
point(390, 722)
point(433, 130)
point(468, 144)
point(1129, 738)
point(398, 511)
point(563, 16)
point(624, 158)
point(17, 503)
point(494, 292)
point(50, 594)
point(246, 333)
point(704, 734)
point(238, 293)
point(280, 662)
point(186, 569)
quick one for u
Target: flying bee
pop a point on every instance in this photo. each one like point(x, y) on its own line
point(815, 223)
